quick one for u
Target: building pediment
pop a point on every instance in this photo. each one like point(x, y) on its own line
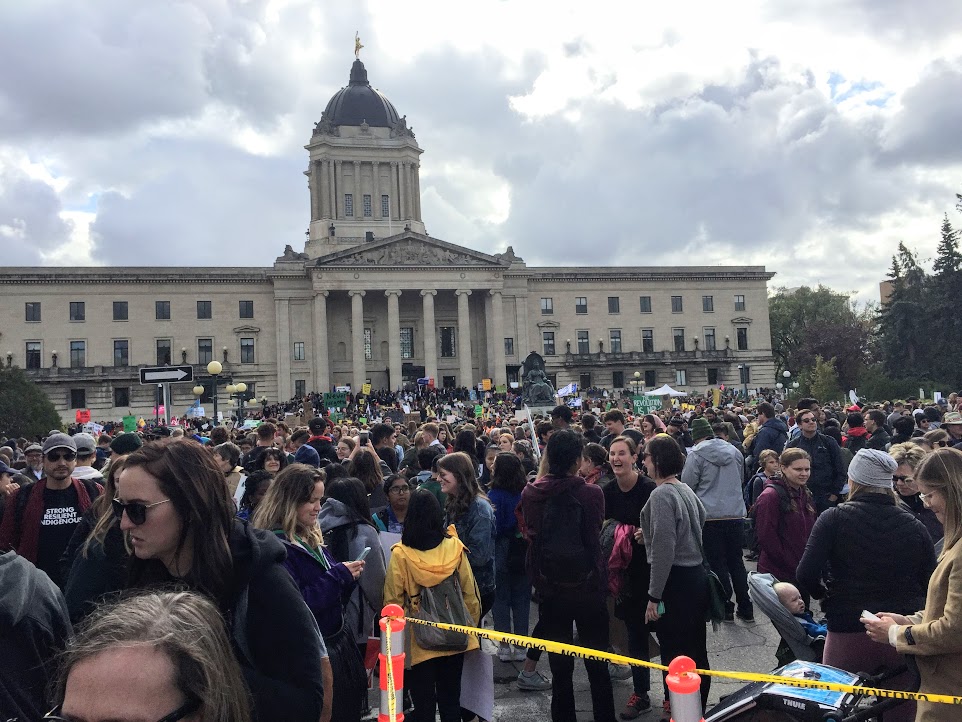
point(410, 250)
point(741, 321)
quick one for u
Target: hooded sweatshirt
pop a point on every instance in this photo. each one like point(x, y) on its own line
point(411, 569)
point(714, 470)
point(34, 628)
point(366, 599)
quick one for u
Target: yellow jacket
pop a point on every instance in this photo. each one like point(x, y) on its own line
point(937, 631)
point(411, 569)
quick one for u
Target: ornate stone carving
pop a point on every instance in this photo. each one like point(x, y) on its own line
point(291, 256)
point(408, 252)
point(509, 256)
point(400, 128)
point(325, 127)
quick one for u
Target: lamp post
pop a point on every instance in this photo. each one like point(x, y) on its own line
point(241, 391)
point(787, 375)
point(214, 368)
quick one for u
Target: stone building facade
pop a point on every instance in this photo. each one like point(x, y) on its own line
point(373, 298)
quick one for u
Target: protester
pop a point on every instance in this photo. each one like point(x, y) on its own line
point(909, 457)
point(271, 460)
point(827, 469)
point(228, 459)
point(253, 491)
point(594, 463)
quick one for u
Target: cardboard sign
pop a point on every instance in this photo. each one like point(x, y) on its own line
point(83, 416)
point(645, 404)
point(485, 384)
point(337, 400)
point(366, 389)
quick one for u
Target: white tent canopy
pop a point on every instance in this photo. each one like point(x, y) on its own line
point(665, 390)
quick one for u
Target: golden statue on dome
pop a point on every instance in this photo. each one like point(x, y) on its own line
point(357, 44)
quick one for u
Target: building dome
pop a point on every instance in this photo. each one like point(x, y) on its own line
point(359, 103)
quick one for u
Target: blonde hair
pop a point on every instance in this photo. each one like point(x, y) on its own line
point(188, 629)
point(941, 471)
point(292, 487)
point(104, 510)
point(907, 453)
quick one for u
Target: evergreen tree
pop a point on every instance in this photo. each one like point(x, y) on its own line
point(904, 320)
point(824, 381)
point(946, 287)
point(25, 410)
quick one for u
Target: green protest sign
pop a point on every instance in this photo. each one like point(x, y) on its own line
point(645, 404)
point(130, 424)
point(478, 410)
point(335, 400)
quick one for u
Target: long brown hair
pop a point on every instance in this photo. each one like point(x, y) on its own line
point(189, 476)
point(941, 471)
point(103, 508)
point(789, 457)
point(292, 487)
point(464, 470)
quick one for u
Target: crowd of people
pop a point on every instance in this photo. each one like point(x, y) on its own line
point(116, 551)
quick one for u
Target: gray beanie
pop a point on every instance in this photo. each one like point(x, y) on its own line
point(872, 468)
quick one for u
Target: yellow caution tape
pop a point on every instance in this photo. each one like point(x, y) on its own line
point(595, 655)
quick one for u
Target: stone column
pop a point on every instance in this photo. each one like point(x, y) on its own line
point(408, 195)
point(314, 186)
point(282, 319)
point(497, 330)
point(322, 366)
point(394, 191)
point(358, 362)
point(324, 192)
point(394, 338)
point(338, 188)
point(430, 334)
point(375, 191)
point(358, 196)
point(464, 339)
point(402, 195)
point(417, 190)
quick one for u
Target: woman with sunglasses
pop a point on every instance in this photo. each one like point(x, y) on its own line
point(909, 457)
point(159, 657)
point(178, 519)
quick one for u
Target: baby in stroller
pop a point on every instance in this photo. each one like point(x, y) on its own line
point(797, 641)
point(791, 599)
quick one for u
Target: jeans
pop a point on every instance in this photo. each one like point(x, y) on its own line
point(512, 594)
point(590, 614)
point(722, 539)
point(682, 629)
point(436, 684)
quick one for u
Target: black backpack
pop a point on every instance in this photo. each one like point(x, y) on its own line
point(560, 544)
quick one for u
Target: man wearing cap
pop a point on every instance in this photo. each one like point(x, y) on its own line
point(952, 423)
point(322, 443)
point(34, 456)
point(713, 470)
point(40, 519)
point(86, 456)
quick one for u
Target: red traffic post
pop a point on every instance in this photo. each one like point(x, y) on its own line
point(391, 664)
point(684, 690)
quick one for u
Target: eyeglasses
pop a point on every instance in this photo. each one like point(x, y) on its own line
point(136, 511)
point(400, 490)
point(807, 420)
point(899, 479)
point(188, 708)
point(66, 456)
point(925, 497)
point(941, 443)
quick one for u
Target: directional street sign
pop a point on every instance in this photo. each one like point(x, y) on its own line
point(166, 375)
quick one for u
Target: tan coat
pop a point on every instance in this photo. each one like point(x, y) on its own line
point(937, 631)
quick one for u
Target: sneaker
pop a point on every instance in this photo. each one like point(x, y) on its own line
point(619, 671)
point(534, 682)
point(746, 613)
point(520, 654)
point(637, 704)
point(504, 652)
point(488, 647)
point(729, 612)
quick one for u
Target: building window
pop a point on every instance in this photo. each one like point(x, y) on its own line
point(617, 379)
point(678, 334)
point(676, 304)
point(368, 353)
point(645, 303)
point(509, 347)
point(205, 350)
point(708, 304)
point(204, 310)
point(78, 311)
point(739, 303)
point(163, 352)
point(581, 305)
point(247, 351)
point(681, 377)
point(121, 311)
point(741, 336)
point(121, 396)
point(547, 306)
point(349, 205)
point(547, 341)
point(78, 398)
point(650, 379)
point(449, 342)
point(33, 311)
point(34, 358)
point(614, 304)
point(614, 340)
point(121, 353)
point(78, 354)
point(162, 310)
point(385, 206)
point(367, 205)
point(713, 377)
point(584, 345)
point(449, 382)
point(647, 340)
point(299, 351)
point(246, 309)
point(709, 339)
point(300, 388)
point(584, 381)
point(407, 342)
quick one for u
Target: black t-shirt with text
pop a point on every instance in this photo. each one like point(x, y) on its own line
point(60, 517)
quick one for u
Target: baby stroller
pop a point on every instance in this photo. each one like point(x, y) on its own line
point(769, 702)
point(796, 642)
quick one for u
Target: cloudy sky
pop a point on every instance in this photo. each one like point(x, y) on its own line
point(806, 135)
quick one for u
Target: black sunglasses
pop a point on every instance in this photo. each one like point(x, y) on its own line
point(903, 479)
point(188, 708)
point(136, 511)
point(66, 456)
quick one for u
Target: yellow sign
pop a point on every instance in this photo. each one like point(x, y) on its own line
point(366, 389)
point(485, 384)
